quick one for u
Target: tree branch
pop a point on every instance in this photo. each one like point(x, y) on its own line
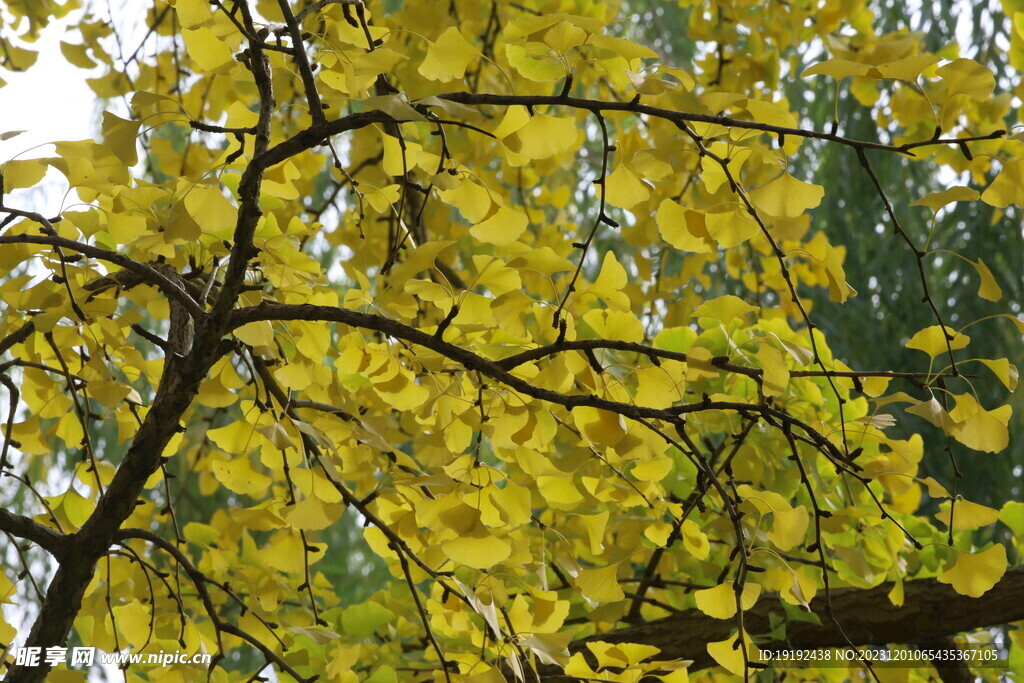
point(199, 580)
point(472, 361)
point(681, 117)
point(931, 612)
point(316, 109)
point(720, 363)
point(249, 211)
point(18, 336)
point(146, 272)
point(46, 538)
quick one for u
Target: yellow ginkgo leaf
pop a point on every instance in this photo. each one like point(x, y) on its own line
point(600, 585)
point(932, 340)
point(712, 174)
point(381, 199)
point(731, 228)
point(967, 77)
point(770, 113)
point(904, 69)
point(935, 489)
point(723, 308)
point(120, 136)
point(543, 136)
point(764, 501)
point(966, 515)
point(789, 528)
point(932, 411)
point(564, 35)
point(550, 648)
point(1004, 370)
point(192, 13)
point(980, 429)
point(658, 532)
point(277, 435)
point(720, 602)
point(471, 199)
point(559, 491)
point(1008, 187)
point(479, 548)
point(787, 197)
point(988, 288)
point(208, 51)
point(133, 622)
point(652, 470)
point(799, 588)
point(775, 375)
point(1012, 515)
point(837, 68)
point(600, 426)
point(683, 228)
point(448, 57)
point(238, 475)
point(650, 84)
point(728, 655)
point(535, 61)
point(620, 654)
point(875, 386)
point(22, 173)
point(896, 595)
point(619, 325)
point(937, 200)
point(312, 513)
point(623, 189)
point(503, 227)
point(973, 574)
point(695, 541)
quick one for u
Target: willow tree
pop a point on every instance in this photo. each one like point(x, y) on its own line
point(525, 303)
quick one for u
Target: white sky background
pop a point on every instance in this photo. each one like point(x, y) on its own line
point(51, 101)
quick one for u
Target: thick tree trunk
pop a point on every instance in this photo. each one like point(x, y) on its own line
point(931, 612)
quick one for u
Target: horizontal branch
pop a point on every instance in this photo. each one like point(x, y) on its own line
point(46, 538)
point(472, 361)
point(143, 270)
point(467, 98)
point(930, 612)
point(718, 363)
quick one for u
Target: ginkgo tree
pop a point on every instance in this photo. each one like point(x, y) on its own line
point(443, 270)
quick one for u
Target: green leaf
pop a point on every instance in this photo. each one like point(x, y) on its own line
point(363, 620)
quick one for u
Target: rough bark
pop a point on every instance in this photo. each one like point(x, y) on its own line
point(931, 612)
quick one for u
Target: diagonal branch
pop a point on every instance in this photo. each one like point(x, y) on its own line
point(249, 211)
point(199, 580)
point(18, 336)
point(919, 255)
point(316, 109)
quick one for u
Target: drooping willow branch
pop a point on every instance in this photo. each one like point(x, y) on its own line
point(919, 255)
